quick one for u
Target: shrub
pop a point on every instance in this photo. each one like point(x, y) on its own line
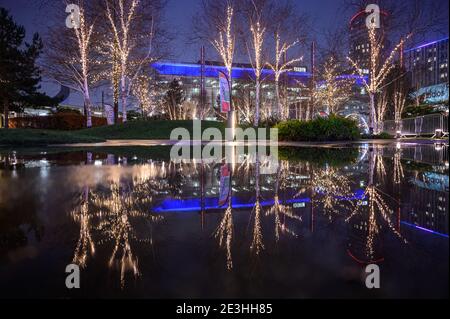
point(59, 121)
point(333, 128)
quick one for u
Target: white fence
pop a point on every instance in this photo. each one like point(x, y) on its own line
point(419, 126)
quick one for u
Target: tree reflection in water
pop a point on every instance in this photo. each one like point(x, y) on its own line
point(279, 210)
point(80, 214)
point(225, 234)
point(109, 213)
point(377, 208)
point(398, 167)
point(331, 191)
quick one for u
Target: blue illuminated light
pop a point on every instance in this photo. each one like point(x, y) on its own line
point(210, 203)
point(212, 71)
point(425, 229)
point(193, 204)
point(426, 44)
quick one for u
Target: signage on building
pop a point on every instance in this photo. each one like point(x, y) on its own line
point(299, 205)
point(433, 94)
point(224, 93)
point(299, 69)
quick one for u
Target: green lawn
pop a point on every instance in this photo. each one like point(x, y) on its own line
point(150, 130)
point(31, 137)
point(146, 130)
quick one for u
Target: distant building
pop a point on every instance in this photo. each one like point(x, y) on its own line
point(428, 66)
point(295, 83)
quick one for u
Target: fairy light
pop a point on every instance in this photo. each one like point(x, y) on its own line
point(278, 210)
point(382, 105)
point(225, 234)
point(279, 68)
point(378, 71)
point(379, 164)
point(399, 106)
point(330, 190)
point(258, 33)
point(225, 45)
point(335, 91)
point(78, 65)
point(257, 244)
point(398, 167)
point(122, 45)
point(85, 245)
point(377, 206)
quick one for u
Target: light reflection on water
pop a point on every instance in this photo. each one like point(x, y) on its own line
point(133, 223)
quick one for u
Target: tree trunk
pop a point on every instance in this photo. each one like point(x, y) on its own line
point(6, 112)
point(87, 103)
point(124, 98)
point(116, 100)
point(372, 116)
point(280, 113)
point(258, 88)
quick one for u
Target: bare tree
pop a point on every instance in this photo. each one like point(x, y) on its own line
point(255, 53)
point(68, 56)
point(131, 24)
point(335, 90)
point(379, 68)
point(281, 66)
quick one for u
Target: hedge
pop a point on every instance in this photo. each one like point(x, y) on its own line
point(333, 128)
point(59, 121)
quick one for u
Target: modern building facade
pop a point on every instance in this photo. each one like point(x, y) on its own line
point(295, 84)
point(428, 66)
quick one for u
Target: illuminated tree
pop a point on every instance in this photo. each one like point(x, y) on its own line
point(399, 106)
point(256, 55)
point(280, 67)
point(145, 94)
point(335, 90)
point(173, 100)
point(225, 44)
point(382, 105)
point(379, 69)
point(69, 57)
point(131, 46)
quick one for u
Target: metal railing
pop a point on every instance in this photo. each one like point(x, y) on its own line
point(419, 126)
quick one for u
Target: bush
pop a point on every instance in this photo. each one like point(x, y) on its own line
point(333, 128)
point(59, 121)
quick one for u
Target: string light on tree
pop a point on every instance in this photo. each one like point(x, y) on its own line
point(279, 68)
point(378, 71)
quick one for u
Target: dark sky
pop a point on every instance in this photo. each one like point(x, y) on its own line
point(324, 15)
point(179, 14)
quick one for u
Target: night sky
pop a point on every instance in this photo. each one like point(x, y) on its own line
point(324, 15)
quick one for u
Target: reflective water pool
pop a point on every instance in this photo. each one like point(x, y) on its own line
point(139, 225)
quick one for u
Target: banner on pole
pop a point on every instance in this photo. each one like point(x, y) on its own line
point(224, 185)
point(224, 93)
